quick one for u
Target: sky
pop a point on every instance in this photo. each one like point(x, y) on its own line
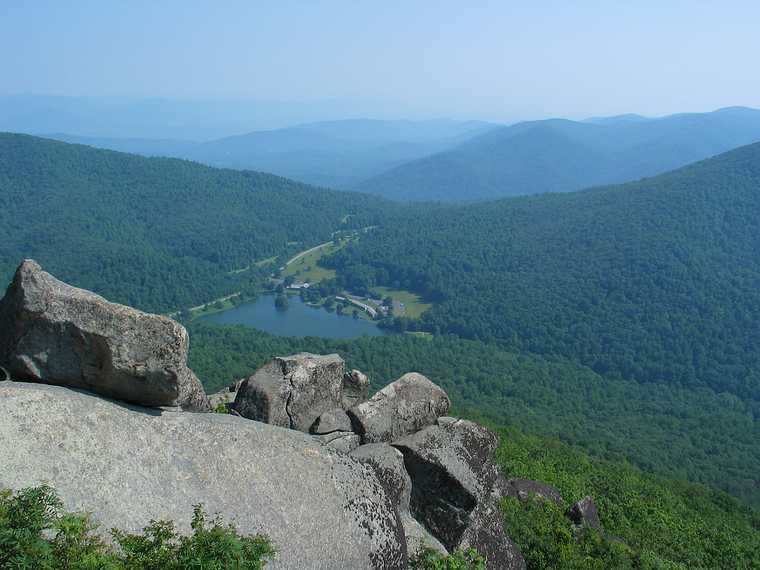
point(493, 60)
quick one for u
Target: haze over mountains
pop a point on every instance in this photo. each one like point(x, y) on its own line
point(331, 153)
point(559, 156)
point(447, 160)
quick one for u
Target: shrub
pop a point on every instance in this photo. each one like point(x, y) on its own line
point(37, 534)
point(429, 559)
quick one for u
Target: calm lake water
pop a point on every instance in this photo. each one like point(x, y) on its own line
point(299, 319)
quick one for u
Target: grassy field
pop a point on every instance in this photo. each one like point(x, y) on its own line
point(306, 268)
point(211, 308)
point(413, 303)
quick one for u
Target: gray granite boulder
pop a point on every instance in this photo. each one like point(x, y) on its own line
point(584, 513)
point(403, 407)
point(293, 391)
point(455, 489)
point(388, 464)
point(53, 333)
point(331, 421)
point(355, 388)
point(128, 465)
point(523, 489)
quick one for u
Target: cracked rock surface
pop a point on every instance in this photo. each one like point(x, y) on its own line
point(292, 391)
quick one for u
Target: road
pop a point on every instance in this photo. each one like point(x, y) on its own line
point(307, 252)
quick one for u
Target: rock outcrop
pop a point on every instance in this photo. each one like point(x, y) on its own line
point(54, 333)
point(455, 489)
point(403, 407)
point(293, 391)
point(127, 465)
point(350, 483)
point(523, 489)
point(584, 513)
point(388, 464)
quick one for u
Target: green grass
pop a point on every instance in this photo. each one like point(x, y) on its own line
point(314, 273)
point(413, 302)
point(420, 334)
point(211, 308)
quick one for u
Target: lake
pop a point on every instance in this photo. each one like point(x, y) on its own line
point(299, 319)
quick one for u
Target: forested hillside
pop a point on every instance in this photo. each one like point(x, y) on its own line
point(158, 234)
point(678, 431)
point(656, 281)
point(559, 156)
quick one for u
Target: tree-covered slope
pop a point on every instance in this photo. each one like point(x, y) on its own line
point(559, 156)
point(695, 434)
point(154, 233)
point(656, 281)
point(666, 523)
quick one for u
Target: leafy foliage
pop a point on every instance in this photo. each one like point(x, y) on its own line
point(663, 523)
point(159, 234)
point(548, 540)
point(678, 431)
point(429, 559)
point(37, 534)
point(654, 282)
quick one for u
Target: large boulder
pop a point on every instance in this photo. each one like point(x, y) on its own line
point(388, 464)
point(524, 489)
point(293, 391)
point(54, 333)
point(584, 513)
point(455, 489)
point(403, 407)
point(128, 465)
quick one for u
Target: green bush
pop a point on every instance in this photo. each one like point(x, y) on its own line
point(429, 559)
point(37, 534)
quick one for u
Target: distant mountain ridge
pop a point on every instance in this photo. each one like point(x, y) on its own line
point(330, 153)
point(558, 155)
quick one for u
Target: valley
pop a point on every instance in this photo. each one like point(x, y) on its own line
point(379, 286)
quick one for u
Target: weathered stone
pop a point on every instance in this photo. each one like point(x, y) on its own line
point(417, 537)
point(343, 441)
point(54, 333)
point(128, 465)
point(405, 406)
point(355, 388)
point(523, 489)
point(455, 487)
point(330, 421)
point(292, 391)
point(388, 464)
point(584, 513)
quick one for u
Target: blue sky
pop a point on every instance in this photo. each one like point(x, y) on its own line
point(497, 60)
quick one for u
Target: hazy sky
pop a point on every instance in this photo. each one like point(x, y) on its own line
point(499, 60)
